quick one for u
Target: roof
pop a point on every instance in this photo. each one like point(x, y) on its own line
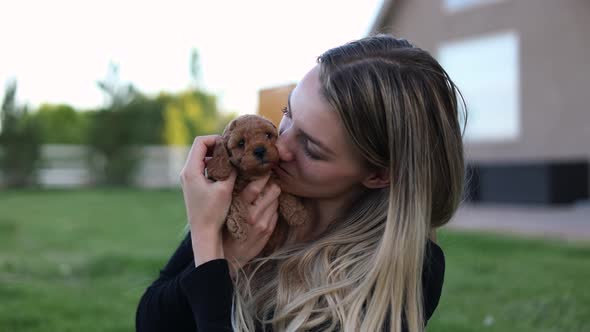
point(383, 17)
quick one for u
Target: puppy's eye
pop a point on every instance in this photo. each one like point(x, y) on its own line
point(241, 143)
point(269, 135)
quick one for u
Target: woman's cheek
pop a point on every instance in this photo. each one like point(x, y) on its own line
point(306, 168)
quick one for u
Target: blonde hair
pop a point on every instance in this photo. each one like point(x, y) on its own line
point(400, 110)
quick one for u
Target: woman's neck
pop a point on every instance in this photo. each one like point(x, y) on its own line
point(324, 212)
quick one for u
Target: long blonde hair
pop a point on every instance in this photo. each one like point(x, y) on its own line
point(400, 110)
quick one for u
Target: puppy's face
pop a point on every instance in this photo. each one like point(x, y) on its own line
point(251, 145)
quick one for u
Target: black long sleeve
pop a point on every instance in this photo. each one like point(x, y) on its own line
point(185, 298)
point(433, 275)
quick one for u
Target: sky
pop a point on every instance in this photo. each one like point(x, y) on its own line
point(57, 50)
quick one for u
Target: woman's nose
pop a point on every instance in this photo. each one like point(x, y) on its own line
point(285, 153)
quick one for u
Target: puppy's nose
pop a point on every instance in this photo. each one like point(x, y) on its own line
point(259, 152)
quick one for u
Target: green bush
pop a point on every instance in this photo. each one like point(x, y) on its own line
point(116, 132)
point(113, 133)
point(61, 124)
point(112, 156)
point(189, 114)
point(20, 142)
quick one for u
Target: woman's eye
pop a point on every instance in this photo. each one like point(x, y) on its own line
point(309, 154)
point(306, 151)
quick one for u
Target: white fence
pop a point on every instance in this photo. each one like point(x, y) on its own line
point(65, 166)
point(161, 166)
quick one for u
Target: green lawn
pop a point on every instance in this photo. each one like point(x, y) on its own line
point(80, 260)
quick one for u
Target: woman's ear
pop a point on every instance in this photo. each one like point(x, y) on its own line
point(377, 179)
point(219, 167)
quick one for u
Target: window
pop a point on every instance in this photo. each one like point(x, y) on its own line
point(456, 5)
point(486, 70)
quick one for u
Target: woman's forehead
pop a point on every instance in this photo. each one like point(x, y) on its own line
point(314, 115)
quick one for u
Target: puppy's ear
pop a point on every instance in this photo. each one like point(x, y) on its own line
point(219, 167)
point(231, 126)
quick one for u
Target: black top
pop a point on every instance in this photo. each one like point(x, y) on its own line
point(185, 298)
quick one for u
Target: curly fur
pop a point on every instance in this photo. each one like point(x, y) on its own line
point(248, 145)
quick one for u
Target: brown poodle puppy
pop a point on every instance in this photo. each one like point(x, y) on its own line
point(248, 145)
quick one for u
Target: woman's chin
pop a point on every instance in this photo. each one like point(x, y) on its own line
point(289, 188)
point(287, 183)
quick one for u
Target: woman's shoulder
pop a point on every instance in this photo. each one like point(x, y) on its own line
point(432, 277)
point(434, 252)
point(434, 262)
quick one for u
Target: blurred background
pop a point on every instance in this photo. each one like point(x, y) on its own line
point(102, 100)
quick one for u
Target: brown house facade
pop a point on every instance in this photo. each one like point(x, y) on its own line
point(524, 69)
point(272, 100)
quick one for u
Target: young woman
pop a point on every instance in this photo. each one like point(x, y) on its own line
point(371, 140)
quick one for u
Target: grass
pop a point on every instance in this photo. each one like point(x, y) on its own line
point(512, 284)
point(80, 260)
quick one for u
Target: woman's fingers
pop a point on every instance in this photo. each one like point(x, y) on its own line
point(262, 222)
point(266, 202)
point(267, 222)
point(253, 189)
point(240, 252)
point(227, 184)
point(268, 195)
point(195, 161)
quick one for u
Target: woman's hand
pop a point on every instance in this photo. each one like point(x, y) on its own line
point(263, 198)
point(206, 202)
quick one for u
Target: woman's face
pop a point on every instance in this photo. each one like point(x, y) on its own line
point(317, 160)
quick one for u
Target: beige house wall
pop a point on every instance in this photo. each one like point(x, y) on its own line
point(554, 67)
point(272, 100)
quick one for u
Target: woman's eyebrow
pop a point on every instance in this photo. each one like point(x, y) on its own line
point(306, 135)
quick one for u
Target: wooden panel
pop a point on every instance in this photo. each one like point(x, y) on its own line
point(272, 100)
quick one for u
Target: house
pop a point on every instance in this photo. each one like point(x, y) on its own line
point(272, 100)
point(523, 67)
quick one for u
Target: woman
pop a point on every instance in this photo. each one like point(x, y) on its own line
point(371, 140)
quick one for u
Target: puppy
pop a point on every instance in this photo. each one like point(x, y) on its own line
point(248, 145)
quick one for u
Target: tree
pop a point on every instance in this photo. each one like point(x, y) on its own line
point(130, 119)
point(20, 142)
point(189, 114)
point(61, 124)
point(195, 68)
point(113, 156)
point(117, 93)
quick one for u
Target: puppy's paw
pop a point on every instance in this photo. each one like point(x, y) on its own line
point(236, 230)
point(298, 217)
point(292, 210)
point(235, 223)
